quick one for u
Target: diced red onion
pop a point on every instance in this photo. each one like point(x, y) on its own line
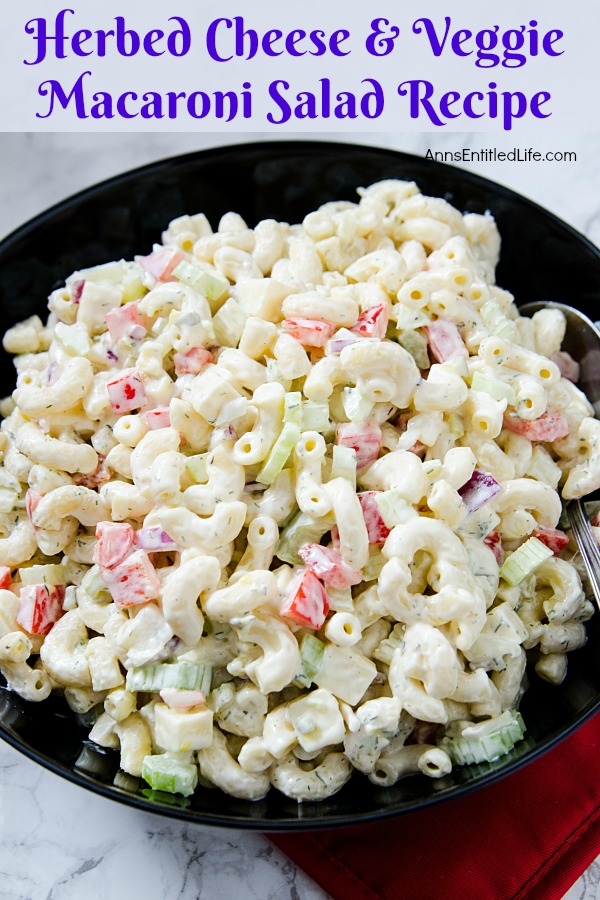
point(154, 539)
point(479, 490)
point(227, 433)
point(52, 372)
point(174, 644)
point(77, 290)
point(569, 368)
point(342, 338)
point(254, 487)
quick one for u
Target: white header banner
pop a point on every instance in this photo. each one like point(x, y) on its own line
point(446, 65)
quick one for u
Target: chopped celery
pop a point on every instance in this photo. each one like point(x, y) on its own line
point(374, 565)
point(292, 410)
point(164, 773)
point(51, 574)
point(524, 560)
point(93, 584)
point(275, 374)
point(311, 657)
point(479, 523)
point(229, 323)
point(133, 284)
point(543, 468)
point(160, 325)
point(279, 453)
point(385, 651)
point(564, 523)
point(356, 407)
point(455, 424)
point(467, 743)
point(187, 273)
point(205, 283)
point(407, 319)
point(315, 416)
point(340, 599)
point(497, 322)
point(162, 797)
point(183, 675)
point(415, 343)
point(393, 508)
point(196, 466)
point(344, 464)
point(74, 339)
point(495, 388)
point(301, 529)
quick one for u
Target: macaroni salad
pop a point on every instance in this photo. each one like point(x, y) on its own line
point(281, 503)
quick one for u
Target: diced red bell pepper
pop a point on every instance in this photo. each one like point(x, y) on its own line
point(306, 602)
point(328, 565)
point(5, 578)
point(126, 391)
point(32, 499)
point(40, 607)
point(335, 537)
point(193, 361)
point(494, 542)
point(158, 418)
point(309, 332)
point(552, 538)
point(115, 542)
point(127, 322)
point(372, 322)
point(569, 368)
point(95, 479)
point(377, 530)
point(550, 426)
point(132, 582)
point(161, 263)
point(445, 341)
point(364, 438)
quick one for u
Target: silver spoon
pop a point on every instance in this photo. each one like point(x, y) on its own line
point(582, 342)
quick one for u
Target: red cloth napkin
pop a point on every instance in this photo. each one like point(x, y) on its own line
point(527, 837)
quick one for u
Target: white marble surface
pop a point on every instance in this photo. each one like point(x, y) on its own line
point(58, 842)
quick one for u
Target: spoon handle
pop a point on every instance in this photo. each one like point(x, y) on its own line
point(588, 547)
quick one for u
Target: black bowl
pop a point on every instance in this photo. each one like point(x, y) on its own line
point(542, 259)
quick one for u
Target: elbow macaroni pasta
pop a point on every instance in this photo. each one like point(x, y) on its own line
point(164, 506)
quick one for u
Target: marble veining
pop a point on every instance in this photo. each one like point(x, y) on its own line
point(59, 842)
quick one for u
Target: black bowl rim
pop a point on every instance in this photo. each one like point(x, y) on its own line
point(317, 822)
point(320, 823)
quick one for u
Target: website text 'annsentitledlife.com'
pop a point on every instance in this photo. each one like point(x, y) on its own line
point(492, 154)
